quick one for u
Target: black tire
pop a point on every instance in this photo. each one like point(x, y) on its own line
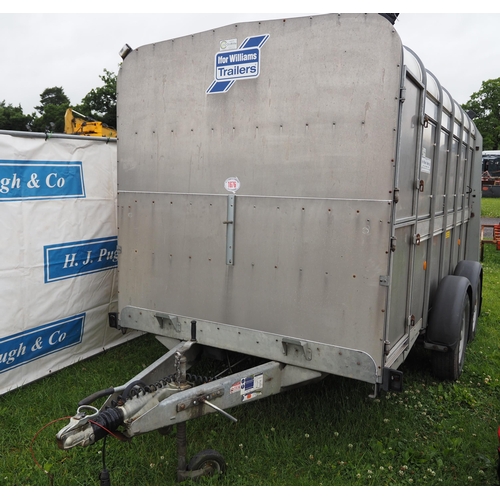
point(211, 461)
point(449, 323)
point(473, 271)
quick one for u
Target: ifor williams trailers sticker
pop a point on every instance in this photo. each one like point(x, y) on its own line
point(240, 64)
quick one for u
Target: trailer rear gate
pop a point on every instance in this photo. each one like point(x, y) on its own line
point(312, 141)
point(320, 142)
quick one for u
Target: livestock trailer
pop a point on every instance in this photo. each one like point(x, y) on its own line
point(300, 191)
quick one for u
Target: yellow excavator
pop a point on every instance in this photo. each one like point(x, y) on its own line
point(77, 124)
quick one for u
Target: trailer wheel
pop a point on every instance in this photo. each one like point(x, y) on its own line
point(449, 323)
point(474, 273)
point(210, 461)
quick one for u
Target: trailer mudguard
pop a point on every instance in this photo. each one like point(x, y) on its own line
point(446, 313)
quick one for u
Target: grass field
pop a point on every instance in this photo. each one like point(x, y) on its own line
point(490, 207)
point(329, 433)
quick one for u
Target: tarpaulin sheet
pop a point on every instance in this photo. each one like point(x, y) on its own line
point(58, 279)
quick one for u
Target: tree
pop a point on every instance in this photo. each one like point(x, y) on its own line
point(485, 104)
point(13, 118)
point(100, 103)
point(52, 96)
point(53, 105)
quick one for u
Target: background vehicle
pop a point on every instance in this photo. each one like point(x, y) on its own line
point(491, 174)
point(77, 124)
point(491, 163)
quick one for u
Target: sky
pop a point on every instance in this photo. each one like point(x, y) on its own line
point(70, 49)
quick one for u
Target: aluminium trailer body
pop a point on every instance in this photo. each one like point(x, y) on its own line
point(336, 127)
point(306, 192)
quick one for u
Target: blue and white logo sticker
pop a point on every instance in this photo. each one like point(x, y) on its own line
point(40, 180)
point(240, 64)
point(35, 343)
point(70, 260)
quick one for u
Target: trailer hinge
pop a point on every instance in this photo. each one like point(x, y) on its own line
point(395, 197)
point(299, 343)
point(387, 347)
point(402, 94)
point(416, 239)
point(383, 280)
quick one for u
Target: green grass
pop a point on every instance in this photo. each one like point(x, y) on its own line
point(329, 433)
point(490, 207)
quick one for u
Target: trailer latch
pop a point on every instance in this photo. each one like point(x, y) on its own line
point(231, 202)
point(383, 280)
point(172, 320)
point(298, 343)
